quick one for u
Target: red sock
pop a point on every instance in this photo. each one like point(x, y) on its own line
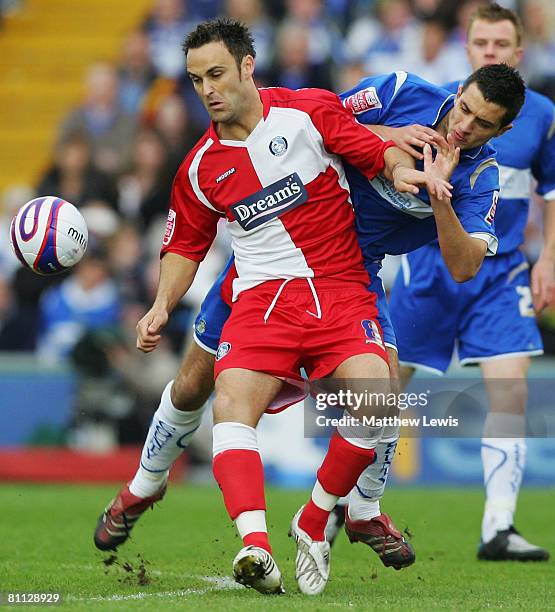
point(343, 464)
point(258, 538)
point(240, 475)
point(313, 520)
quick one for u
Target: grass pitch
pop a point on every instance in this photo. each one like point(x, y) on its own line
point(180, 555)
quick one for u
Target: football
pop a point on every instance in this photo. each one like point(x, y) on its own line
point(48, 235)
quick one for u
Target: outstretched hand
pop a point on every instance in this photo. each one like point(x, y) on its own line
point(407, 180)
point(443, 166)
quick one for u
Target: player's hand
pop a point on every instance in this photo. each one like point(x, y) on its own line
point(543, 283)
point(413, 137)
point(447, 159)
point(149, 328)
point(407, 180)
point(440, 169)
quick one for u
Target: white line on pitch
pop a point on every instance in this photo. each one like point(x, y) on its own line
point(219, 582)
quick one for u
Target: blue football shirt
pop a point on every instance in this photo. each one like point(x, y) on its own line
point(389, 222)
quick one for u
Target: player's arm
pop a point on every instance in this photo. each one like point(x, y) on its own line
point(462, 253)
point(368, 152)
point(190, 230)
point(176, 276)
point(543, 273)
point(410, 138)
point(543, 169)
point(399, 168)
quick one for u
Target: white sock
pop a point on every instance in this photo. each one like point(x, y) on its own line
point(169, 434)
point(251, 521)
point(323, 499)
point(361, 508)
point(503, 460)
point(364, 499)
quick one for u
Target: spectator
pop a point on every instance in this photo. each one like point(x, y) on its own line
point(103, 222)
point(12, 199)
point(166, 28)
point(135, 71)
point(172, 122)
point(325, 43)
point(252, 14)
point(86, 300)
point(127, 262)
point(73, 176)
point(539, 23)
point(435, 58)
point(292, 67)
point(102, 120)
point(18, 325)
point(144, 191)
point(204, 9)
point(379, 40)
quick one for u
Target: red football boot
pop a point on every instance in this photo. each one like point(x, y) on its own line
point(383, 537)
point(115, 524)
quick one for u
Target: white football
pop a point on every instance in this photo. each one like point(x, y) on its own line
point(49, 235)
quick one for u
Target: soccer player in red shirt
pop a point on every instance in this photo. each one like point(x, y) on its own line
point(270, 165)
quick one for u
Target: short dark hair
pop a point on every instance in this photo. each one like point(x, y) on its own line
point(502, 85)
point(493, 13)
point(234, 35)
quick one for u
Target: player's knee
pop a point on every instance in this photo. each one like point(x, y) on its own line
point(190, 392)
point(509, 396)
point(225, 407)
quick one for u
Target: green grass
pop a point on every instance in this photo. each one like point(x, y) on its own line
point(187, 544)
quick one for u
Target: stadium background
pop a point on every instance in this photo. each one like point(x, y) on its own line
point(95, 108)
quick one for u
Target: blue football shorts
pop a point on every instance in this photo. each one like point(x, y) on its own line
point(488, 317)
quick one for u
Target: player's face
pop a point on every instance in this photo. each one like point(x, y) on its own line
point(218, 81)
point(493, 43)
point(474, 120)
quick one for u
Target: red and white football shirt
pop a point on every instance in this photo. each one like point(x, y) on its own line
point(282, 191)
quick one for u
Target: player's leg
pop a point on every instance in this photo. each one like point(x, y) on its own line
point(502, 303)
point(256, 352)
point(504, 459)
point(241, 398)
point(365, 521)
point(424, 307)
point(350, 451)
point(176, 419)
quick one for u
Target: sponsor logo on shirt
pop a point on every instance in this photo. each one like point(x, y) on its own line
point(278, 146)
point(170, 227)
point(223, 350)
point(225, 175)
point(363, 100)
point(270, 202)
point(491, 212)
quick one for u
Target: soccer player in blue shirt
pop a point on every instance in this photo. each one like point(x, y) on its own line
point(492, 317)
point(386, 222)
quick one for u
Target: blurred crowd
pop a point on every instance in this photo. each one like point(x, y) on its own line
point(117, 151)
